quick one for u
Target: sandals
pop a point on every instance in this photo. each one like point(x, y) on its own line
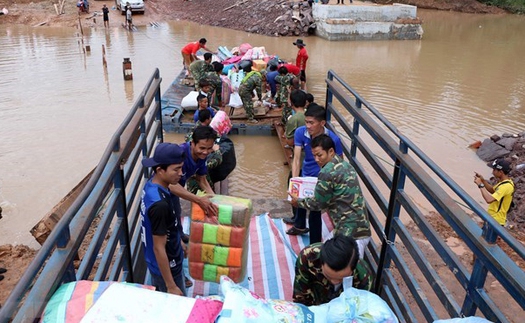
point(289, 220)
point(293, 231)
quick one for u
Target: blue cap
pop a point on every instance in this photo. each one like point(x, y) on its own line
point(165, 154)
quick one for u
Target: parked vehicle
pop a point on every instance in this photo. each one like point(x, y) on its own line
point(135, 5)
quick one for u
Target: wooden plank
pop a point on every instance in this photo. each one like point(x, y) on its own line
point(288, 152)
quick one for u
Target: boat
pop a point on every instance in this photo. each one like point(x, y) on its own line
point(176, 119)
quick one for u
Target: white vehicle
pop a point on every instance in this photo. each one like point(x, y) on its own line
point(136, 5)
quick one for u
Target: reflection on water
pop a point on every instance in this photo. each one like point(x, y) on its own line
point(59, 106)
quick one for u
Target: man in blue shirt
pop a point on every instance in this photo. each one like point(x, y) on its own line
point(270, 79)
point(315, 120)
point(160, 222)
point(196, 151)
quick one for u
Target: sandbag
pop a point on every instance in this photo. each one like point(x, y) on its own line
point(189, 102)
point(219, 245)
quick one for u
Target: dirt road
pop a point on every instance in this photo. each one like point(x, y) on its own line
point(244, 16)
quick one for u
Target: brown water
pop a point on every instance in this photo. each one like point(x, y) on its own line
point(59, 107)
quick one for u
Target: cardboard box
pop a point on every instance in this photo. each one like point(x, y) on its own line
point(259, 65)
point(302, 186)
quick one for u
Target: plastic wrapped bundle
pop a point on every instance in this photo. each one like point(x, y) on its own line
point(219, 245)
point(470, 319)
point(356, 306)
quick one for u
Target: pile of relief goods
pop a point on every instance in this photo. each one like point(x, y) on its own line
point(232, 74)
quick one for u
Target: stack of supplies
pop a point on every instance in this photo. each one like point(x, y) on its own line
point(219, 245)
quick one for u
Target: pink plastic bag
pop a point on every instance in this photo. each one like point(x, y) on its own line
point(244, 48)
point(221, 123)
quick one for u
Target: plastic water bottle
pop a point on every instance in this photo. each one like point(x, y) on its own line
point(520, 166)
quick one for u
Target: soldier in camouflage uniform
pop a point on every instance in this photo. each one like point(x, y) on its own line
point(337, 191)
point(320, 269)
point(199, 69)
point(216, 84)
point(251, 81)
point(284, 79)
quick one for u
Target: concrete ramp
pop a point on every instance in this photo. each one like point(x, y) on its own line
point(367, 22)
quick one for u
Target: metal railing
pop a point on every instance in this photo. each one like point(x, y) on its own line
point(107, 205)
point(422, 286)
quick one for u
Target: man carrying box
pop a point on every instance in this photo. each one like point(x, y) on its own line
point(337, 191)
point(315, 120)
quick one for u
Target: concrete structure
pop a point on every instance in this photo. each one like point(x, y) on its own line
point(367, 22)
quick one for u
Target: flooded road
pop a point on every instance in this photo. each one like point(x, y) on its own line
point(59, 106)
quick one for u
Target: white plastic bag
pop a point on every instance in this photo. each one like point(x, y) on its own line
point(189, 102)
point(356, 306)
point(235, 100)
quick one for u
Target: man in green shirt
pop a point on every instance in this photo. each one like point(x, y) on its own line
point(199, 69)
point(320, 270)
point(298, 100)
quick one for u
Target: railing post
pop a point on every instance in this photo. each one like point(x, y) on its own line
point(355, 130)
point(329, 96)
point(398, 182)
point(122, 213)
point(158, 106)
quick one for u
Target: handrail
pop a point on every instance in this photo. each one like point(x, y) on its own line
point(60, 241)
point(408, 159)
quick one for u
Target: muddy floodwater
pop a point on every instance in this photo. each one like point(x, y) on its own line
point(59, 106)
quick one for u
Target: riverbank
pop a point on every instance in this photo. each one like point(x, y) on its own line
point(253, 16)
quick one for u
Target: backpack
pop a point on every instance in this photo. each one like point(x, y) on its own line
point(229, 161)
point(512, 205)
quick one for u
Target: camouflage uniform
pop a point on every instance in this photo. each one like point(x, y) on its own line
point(252, 81)
point(338, 191)
point(199, 69)
point(283, 93)
point(216, 85)
point(311, 287)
